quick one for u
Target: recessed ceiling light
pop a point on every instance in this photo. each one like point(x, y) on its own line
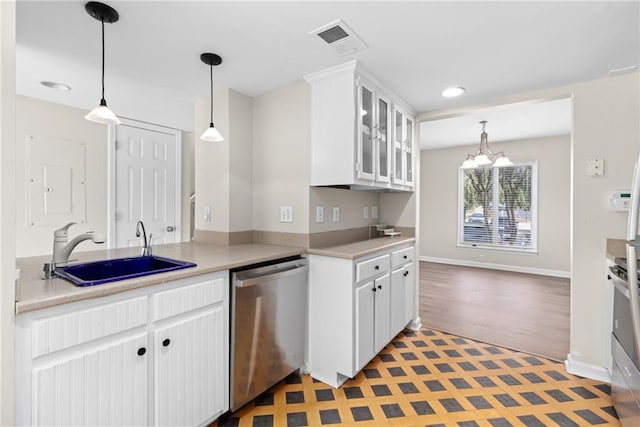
point(54, 85)
point(452, 92)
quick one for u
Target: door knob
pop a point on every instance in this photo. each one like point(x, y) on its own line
point(170, 228)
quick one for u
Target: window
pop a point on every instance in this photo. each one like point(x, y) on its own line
point(498, 207)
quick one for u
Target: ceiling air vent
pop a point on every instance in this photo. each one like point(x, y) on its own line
point(339, 36)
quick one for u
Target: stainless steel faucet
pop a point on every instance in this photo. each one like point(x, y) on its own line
point(62, 250)
point(146, 249)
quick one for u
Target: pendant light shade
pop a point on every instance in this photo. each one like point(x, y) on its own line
point(485, 156)
point(103, 13)
point(211, 133)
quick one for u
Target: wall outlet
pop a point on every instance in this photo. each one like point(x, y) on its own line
point(365, 212)
point(319, 213)
point(206, 213)
point(374, 212)
point(481, 258)
point(336, 214)
point(286, 213)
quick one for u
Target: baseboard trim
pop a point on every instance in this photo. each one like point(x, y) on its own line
point(587, 370)
point(492, 266)
point(415, 324)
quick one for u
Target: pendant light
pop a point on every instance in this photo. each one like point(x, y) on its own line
point(211, 134)
point(103, 13)
point(485, 156)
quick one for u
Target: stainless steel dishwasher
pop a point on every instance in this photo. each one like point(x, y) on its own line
point(268, 324)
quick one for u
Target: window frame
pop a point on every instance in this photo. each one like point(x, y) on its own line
point(534, 214)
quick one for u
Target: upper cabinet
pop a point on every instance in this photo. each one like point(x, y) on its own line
point(361, 134)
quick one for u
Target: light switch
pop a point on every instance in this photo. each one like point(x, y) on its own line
point(206, 213)
point(286, 213)
point(595, 167)
point(336, 214)
point(365, 212)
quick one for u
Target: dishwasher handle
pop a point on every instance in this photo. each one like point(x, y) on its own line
point(255, 280)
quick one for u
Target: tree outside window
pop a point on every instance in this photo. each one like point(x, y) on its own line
point(498, 207)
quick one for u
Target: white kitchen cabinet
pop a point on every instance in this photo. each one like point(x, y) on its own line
point(403, 148)
point(154, 355)
point(352, 131)
point(97, 385)
point(351, 308)
point(402, 288)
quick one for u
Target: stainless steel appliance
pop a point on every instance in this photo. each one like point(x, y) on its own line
point(625, 339)
point(268, 323)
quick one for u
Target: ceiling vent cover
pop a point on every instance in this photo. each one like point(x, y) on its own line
point(338, 35)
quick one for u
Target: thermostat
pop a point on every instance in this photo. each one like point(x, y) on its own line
point(620, 200)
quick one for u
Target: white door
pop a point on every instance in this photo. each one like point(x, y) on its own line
point(105, 386)
point(398, 300)
point(147, 183)
point(189, 373)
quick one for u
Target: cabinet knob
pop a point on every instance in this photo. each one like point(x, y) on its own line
point(142, 351)
point(406, 273)
point(405, 257)
point(377, 267)
point(379, 286)
point(374, 289)
point(166, 342)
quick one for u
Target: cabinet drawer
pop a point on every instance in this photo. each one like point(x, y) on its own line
point(180, 300)
point(66, 330)
point(401, 257)
point(372, 267)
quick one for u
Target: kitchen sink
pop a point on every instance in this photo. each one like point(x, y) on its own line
point(112, 270)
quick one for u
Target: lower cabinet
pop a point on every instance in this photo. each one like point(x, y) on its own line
point(152, 356)
point(356, 307)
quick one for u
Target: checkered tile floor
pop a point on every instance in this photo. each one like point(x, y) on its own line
point(429, 378)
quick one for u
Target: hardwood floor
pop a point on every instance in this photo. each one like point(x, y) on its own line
point(520, 311)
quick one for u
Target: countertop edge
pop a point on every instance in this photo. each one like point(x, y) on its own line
point(342, 251)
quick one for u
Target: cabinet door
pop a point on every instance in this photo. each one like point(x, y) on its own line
point(409, 292)
point(382, 312)
point(398, 300)
point(103, 386)
point(408, 151)
point(398, 145)
point(189, 370)
point(383, 138)
point(366, 131)
point(364, 345)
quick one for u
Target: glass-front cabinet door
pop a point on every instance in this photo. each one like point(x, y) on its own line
point(383, 139)
point(398, 143)
point(408, 151)
point(366, 131)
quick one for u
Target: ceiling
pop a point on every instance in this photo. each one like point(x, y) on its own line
point(154, 73)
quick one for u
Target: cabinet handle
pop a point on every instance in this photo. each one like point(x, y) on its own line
point(379, 286)
point(166, 342)
point(406, 273)
point(377, 267)
point(142, 351)
point(374, 289)
point(405, 257)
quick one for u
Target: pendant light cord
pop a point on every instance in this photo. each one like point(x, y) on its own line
point(211, 98)
point(102, 20)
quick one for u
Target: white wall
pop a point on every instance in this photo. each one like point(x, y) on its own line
point(439, 205)
point(605, 124)
point(7, 211)
point(281, 126)
point(240, 157)
point(45, 119)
